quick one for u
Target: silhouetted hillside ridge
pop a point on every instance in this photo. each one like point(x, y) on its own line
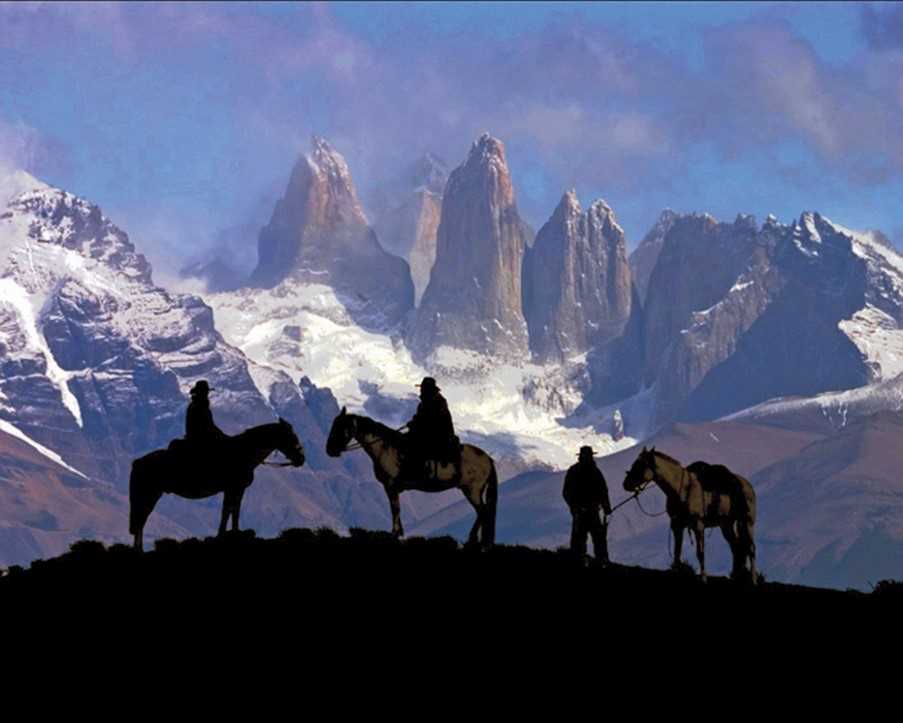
point(331, 579)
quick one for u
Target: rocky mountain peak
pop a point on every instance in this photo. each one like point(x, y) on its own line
point(645, 256)
point(488, 149)
point(429, 173)
point(576, 281)
point(50, 217)
point(318, 233)
point(473, 300)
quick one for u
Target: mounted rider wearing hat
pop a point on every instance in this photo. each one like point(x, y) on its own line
point(431, 432)
point(199, 426)
point(585, 492)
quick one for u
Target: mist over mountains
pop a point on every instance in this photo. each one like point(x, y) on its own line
point(540, 342)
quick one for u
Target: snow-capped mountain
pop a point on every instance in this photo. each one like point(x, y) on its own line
point(790, 309)
point(524, 413)
point(539, 346)
point(96, 361)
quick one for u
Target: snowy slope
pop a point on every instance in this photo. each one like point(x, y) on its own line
point(48, 453)
point(877, 328)
point(525, 411)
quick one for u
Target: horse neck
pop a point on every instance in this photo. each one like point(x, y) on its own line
point(371, 435)
point(258, 441)
point(669, 477)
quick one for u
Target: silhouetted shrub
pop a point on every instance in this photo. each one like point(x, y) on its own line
point(87, 549)
point(166, 545)
point(888, 589)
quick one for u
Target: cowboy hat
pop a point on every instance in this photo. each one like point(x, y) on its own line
point(428, 382)
point(201, 387)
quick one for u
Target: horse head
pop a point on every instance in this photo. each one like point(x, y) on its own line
point(289, 444)
point(340, 435)
point(642, 472)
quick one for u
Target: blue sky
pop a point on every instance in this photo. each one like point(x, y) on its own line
point(183, 120)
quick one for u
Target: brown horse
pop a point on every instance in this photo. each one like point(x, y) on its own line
point(700, 496)
point(476, 478)
point(228, 468)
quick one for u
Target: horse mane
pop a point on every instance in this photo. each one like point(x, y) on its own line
point(371, 425)
point(252, 430)
point(667, 457)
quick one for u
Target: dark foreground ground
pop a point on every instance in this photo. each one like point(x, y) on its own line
point(419, 577)
point(325, 600)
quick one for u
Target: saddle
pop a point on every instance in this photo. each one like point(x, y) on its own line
point(716, 478)
point(433, 466)
point(187, 449)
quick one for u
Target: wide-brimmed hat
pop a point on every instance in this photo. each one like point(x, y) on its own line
point(428, 383)
point(201, 387)
point(586, 451)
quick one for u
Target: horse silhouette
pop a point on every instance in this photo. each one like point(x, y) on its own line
point(700, 496)
point(477, 478)
point(227, 466)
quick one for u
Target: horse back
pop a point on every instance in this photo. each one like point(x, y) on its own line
point(158, 455)
point(718, 479)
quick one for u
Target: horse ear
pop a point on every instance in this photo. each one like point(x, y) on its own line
point(653, 448)
point(282, 421)
point(644, 449)
point(342, 413)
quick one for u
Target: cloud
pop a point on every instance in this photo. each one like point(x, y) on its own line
point(577, 101)
point(770, 86)
point(24, 148)
point(882, 25)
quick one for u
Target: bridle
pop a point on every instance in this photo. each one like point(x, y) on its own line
point(638, 490)
point(284, 464)
point(352, 444)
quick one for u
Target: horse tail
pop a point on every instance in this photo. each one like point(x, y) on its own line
point(745, 501)
point(492, 498)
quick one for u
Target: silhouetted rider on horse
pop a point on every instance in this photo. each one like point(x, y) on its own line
point(431, 432)
point(200, 432)
point(199, 427)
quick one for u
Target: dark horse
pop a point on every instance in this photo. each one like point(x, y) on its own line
point(699, 496)
point(476, 478)
point(228, 468)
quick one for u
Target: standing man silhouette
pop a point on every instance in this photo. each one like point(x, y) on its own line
point(585, 492)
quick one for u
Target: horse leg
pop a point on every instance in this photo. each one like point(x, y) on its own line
point(749, 548)
point(476, 502)
point(395, 505)
point(699, 532)
point(143, 497)
point(139, 511)
point(224, 516)
point(677, 529)
point(727, 529)
point(236, 510)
